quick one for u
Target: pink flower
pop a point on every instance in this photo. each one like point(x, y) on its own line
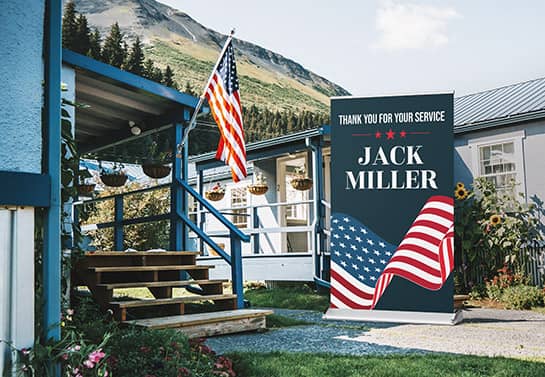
point(25, 351)
point(70, 311)
point(75, 371)
point(64, 356)
point(96, 356)
point(89, 364)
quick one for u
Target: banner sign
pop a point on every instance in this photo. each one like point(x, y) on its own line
point(392, 224)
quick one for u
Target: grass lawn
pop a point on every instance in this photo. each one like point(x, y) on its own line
point(275, 321)
point(322, 365)
point(302, 297)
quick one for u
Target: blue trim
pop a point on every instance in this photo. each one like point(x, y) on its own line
point(236, 271)
point(52, 229)
point(127, 78)
point(134, 221)
point(118, 223)
point(24, 189)
point(177, 228)
point(237, 232)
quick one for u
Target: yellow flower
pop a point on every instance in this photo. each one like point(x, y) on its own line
point(461, 193)
point(460, 185)
point(495, 220)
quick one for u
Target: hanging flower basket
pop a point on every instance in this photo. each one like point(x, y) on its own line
point(214, 195)
point(113, 180)
point(301, 184)
point(258, 188)
point(155, 170)
point(85, 189)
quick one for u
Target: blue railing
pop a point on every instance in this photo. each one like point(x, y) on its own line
point(234, 259)
point(236, 238)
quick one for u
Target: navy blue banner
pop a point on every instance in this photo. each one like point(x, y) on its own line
point(392, 208)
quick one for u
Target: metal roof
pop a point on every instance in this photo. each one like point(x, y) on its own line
point(500, 106)
point(114, 97)
point(266, 148)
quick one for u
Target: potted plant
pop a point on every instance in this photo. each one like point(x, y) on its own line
point(259, 187)
point(154, 166)
point(114, 177)
point(85, 186)
point(217, 192)
point(301, 181)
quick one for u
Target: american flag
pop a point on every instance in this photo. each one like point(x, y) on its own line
point(224, 101)
point(363, 264)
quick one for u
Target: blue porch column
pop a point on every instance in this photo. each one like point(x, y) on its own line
point(178, 197)
point(52, 228)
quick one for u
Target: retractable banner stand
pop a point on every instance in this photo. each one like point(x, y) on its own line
point(392, 225)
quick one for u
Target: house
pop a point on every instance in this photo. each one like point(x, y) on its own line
point(33, 66)
point(500, 135)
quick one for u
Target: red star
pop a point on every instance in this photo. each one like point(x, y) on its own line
point(378, 135)
point(390, 134)
point(403, 134)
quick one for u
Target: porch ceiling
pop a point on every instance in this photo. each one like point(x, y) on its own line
point(113, 97)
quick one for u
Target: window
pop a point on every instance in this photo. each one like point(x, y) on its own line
point(192, 206)
point(497, 163)
point(239, 199)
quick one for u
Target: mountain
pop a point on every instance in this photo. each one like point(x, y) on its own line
point(172, 37)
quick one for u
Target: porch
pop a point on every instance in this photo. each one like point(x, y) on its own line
point(120, 118)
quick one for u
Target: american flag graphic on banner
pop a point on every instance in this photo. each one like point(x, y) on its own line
point(224, 101)
point(364, 264)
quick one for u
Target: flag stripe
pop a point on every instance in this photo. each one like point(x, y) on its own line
point(425, 256)
point(224, 101)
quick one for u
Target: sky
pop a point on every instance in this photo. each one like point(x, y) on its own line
point(388, 47)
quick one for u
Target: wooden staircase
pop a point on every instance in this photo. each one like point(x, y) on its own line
point(159, 271)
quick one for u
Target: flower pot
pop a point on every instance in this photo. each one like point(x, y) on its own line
point(214, 195)
point(301, 184)
point(156, 171)
point(85, 189)
point(113, 180)
point(258, 189)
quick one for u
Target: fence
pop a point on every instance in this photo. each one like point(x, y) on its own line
point(531, 260)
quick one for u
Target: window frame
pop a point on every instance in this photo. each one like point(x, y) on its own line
point(517, 138)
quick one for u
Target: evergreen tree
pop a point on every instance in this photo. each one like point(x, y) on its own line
point(113, 52)
point(168, 78)
point(69, 26)
point(189, 89)
point(135, 60)
point(94, 45)
point(83, 37)
point(157, 75)
point(148, 69)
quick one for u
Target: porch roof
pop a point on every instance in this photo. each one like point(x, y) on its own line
point(114, 97)
point(277, 146)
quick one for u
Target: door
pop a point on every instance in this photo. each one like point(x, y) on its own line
point(296, 214)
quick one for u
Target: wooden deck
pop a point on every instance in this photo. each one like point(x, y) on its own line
point(105, 271)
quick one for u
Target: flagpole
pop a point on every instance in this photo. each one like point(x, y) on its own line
point(193, 120)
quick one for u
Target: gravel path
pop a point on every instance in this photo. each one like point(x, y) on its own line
point(486, 332)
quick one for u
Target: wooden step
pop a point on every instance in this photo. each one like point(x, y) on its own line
point(137, 253)
point(176, 305)
point(209, 324)
point(150, 268)
point(169, 301)
point(155, 284)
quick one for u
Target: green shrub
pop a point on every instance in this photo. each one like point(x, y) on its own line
point(478, 292)
point(522, 297)
point(505, 279)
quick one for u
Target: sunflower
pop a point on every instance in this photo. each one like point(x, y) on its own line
point(460, 185)
point(495, 220)
point(461, 193)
